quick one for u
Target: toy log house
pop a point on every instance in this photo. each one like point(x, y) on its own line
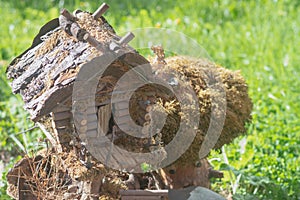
point(45, 75)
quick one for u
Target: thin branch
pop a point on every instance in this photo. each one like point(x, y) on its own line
point(48, 135)
point(27, 130)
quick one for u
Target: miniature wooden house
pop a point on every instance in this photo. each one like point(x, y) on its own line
point(45, 75)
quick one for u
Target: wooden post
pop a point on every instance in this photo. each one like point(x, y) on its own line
point(126, 38)
point(68, 15)
point(115, 46)
point(100, 11)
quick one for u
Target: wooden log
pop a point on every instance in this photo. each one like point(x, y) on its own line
point(83, 122)
point(68, 24)
point(100, 11)
point(148, 108)
point(126, 38)
point(146, 130)
point(93, 42)
point(147, 117)
point(68, 15)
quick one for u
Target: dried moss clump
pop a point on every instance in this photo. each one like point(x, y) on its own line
point(208, 81)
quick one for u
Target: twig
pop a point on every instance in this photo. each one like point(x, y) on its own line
point(27, 130)
point(48, 135)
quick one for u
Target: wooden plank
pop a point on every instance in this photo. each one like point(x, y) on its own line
point(125, 162)
point(102, 103)
point(92, 133)
point(100, 143)
point(91, 110)
point(111, 154)
point(103, 151)
point(62, 108)
point(91, 117)
point(120, 113)
point(104, 115)
point(122, 95)
point(123, 120)
point(61, 131)
point(62, 123)
point(92, 125)
point(62, 115)
point(128, 127)
point(124, 127)
point(121, 105)
point(82, 129)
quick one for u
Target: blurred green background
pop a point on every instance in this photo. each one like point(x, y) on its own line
point(259, 38)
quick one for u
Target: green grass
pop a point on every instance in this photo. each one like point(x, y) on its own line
point(260, 38)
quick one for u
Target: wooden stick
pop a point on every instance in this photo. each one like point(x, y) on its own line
point(126, 39)
point(68, 15)
point(48, 135)
point(93, 42)
point(100, 11)
point(68, 24)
